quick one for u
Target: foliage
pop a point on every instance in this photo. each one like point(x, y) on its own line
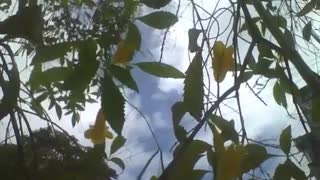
point(82, 51)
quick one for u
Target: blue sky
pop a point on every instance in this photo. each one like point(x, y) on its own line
point(157, 96)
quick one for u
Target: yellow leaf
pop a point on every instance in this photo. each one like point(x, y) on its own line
point(222, 60)
point(123, 53)
point(99, 131)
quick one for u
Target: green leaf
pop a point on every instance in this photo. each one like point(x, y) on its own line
point(133, 37)
point(228, 131)
point(279, 95)
point(193, 38)
point(262, 65)
point(306, 32)
point(117, 143)
point(178, 111)
point(58, 110)
point(307, 8)
point(112, 103)
point(75, 118)
point(245, 24)
point(287, 171)
point(124, 76)
point(285, 140)
point(156, 4)
point(49, 53)
point(51, 75)
point(118, 162)
point(246, 76)
point(184, 168)
point(193, 88)
point(180, 133)
point(254, 157)
point(160, 69)
point(159, 20)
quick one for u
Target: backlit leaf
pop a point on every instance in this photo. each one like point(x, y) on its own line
point(193, 37)
point(124, 76)
point(156, 4)
point(307, 8)
point(159, 20)
point(285, 140)
point(118, 162)
point(160, 69)
point(117, 143)
point(306, 32)
point(279, 95)
point(255, 156)
point(112, 103)
point(193, 88)
point(49, 53)
point(287, 171)
point(228, 131)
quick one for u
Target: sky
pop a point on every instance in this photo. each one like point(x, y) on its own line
point(158, 95)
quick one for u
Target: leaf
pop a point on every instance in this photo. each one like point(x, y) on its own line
point(112, 103)
point(156, 4)
point(184, 168)
point(193, 38)
point(49, 53)
point(246, 76)
point(255, 156)
point(315, 113)
point(306, 32)
point(160, 69)
point(75, 118)
point(133, 36)
point(159, 20)
point(288, 170)
point(228, 131)
point(117, 143)
point(193, 88)
point(99, 131)
point(222, 60)
point(124, 76)
point(307, 8)
point(118, 162)
point(245, 24)
point(279, 95)
point(178, 111)
point(285, 140)
point(58, 111)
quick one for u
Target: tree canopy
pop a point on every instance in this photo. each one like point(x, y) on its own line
point(64, 54)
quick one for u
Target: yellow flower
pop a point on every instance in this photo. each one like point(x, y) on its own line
point(99, 131)
point(222, 60)
point(124, 53)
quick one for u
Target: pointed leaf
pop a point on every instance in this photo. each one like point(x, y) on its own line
point(279, 95)
point(160, 69)
point(287, 171)
point(133, 37)
point(75, 118)
point(307, 8)
point(112, 103)
point(58, 111)
point(178, 111)
point(193, 38)
point(255, 156)
point(117, 143)
point(49, 53)
point(156, 4)
point(159, 20)
point(306, 32)
point(124, 76)
point(285, 140)
point(228, 131)
point(193, 87)
point(118, 162)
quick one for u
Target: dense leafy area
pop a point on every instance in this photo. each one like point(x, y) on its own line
point(82, 51)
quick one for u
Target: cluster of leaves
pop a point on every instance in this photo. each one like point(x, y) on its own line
point(50, 154)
